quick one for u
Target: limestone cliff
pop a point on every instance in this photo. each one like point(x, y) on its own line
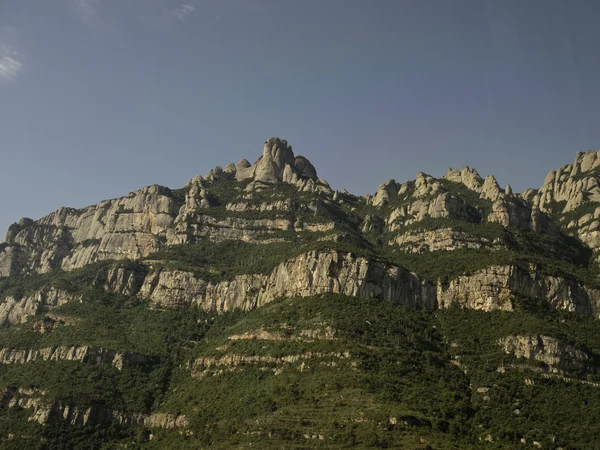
point(545, 349)
point(572, 194)
point(497, 287)
point(313, 273)
point(83, 353)
point(47, 413)
point(15, 310)
point(305, 275)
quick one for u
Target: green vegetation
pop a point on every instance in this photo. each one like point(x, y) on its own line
point(474, 336)
point(360, 373)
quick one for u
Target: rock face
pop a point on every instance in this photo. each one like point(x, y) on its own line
point(548, 350)
point(305, 275)
point(154, 217)
point(385, 191)
point(17, 310)
point(279, 164)
point(506, 208)
point(212, 366)
point(571, 184)
point(427, 198)
point(442, 239)
point(125, 228)
point(573, 191)
point(84, 354)
point(44, 413)
point(313, 273)
point(496, 287)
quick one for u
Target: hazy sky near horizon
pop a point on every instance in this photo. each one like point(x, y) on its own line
point(102, 97)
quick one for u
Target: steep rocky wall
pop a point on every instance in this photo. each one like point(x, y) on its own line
point(418, 241)
point(570, 187)
point(308, 274)
point(44, 412)
point(572, 184)
point(495, 288)
point(83, 353)
point(545, 349)
point(17, 310)
point(129, 227)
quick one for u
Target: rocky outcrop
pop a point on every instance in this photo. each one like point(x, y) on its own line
point(469, 177)
point(571, 194)
point(305, 275)
point(571, 184)
point(127, 228)
point(442, 239)
point(147, 220)
point(496, 287)
point(425, 199)
point(385, 191)
point(308, 335)
point(84, 354)
point(279, 164)
point(586, 227)
point(210, 365)
point(125, 280)
point(15, 309)
point(548, 350)
point(511, 211)
point(507, 209)
point(45, 412)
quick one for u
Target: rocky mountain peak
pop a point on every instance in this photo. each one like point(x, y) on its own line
point(490, 189)
point(571, 185)
point(385, 191)
point(467, 176)
point(277, 164)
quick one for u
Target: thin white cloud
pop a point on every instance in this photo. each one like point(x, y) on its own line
point(183, 11)
point(87, 10)
point(10, 66)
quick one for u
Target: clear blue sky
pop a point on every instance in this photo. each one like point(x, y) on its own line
point(101, 97)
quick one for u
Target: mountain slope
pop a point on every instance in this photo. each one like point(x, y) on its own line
point(257, 306)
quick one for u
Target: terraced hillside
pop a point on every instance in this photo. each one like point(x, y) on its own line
point(257, 307)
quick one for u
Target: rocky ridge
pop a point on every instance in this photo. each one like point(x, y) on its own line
point(241, 202)
point(154, 217)
point(145, 221)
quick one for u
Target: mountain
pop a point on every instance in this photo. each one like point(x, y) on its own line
point(258, 307)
